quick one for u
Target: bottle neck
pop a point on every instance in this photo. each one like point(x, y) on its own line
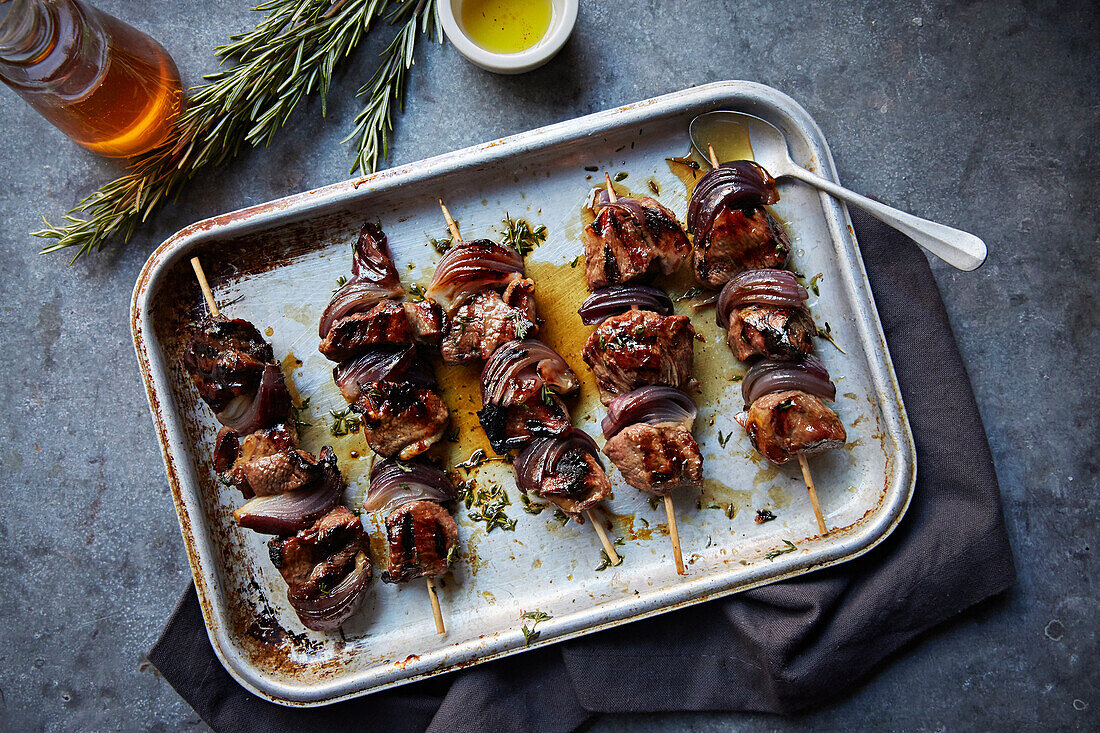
point(27, 31)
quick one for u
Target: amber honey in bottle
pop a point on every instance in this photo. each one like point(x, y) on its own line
point(108, 86)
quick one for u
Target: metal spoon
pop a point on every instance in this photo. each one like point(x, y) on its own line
point(769, 147)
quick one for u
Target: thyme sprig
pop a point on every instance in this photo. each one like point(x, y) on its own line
point(790, 547)
point(519, 234)
point(289, 55)
point(536, 618)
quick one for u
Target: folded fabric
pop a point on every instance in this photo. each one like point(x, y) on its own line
point(781, 648)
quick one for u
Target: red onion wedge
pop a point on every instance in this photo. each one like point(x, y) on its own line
point(470, 267)
point(652, 404)
point(544, 458)
point(519, 370)
point(373, 278)
point(741, 184)
point(328, 611)
point(292, 511)
point(271, 404)
point(382, 363)
point(396, 483)
point(807, 374)
point(616, 299)
point(759, 287)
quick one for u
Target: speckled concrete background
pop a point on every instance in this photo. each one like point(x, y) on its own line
point(980, 114)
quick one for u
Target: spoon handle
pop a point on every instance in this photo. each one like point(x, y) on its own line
point(954, 246)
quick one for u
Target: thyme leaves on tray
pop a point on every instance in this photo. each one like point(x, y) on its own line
point(790, 547)
point(519, 234)
point(530, 633)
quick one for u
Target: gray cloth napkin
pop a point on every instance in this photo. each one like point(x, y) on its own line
point(781, 648)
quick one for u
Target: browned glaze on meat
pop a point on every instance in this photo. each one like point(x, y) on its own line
point(544, 415)
point(385, 323)
point(426, 320)
point(479, 325)
point(784, 424)
point(421, 535)
point(400, 419)
point(269, 462)
point(578, 484)
point(637, 348)
point(657, 459)
point(740, 240)
point(316, 560)
point(631, 239)
point(768, 330)
point(225, 358)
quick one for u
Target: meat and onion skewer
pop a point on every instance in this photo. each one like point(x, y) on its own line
point(374, 336)
point(320, 548)
point(641, 353)
point(490, 305)
point(762, 308)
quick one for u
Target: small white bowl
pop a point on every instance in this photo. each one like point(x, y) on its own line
point(561, 25)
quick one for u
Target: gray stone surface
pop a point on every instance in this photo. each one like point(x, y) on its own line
point(979, 114)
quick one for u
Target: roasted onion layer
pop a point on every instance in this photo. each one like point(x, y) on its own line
point(329, 610)
point(652, 404)
point(616, 299)
point(291, 511)
point(382, 363)
point(519, 370)
point(759, 287)
point(271, 404)
point(373, 278)
point(807, 374)
point(396, 483)
point(470, 267)
point(543, 458)
point(741, 184)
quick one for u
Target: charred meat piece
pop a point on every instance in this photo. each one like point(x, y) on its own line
point(542, 416)
point(400, 419)
point(326, 568)
point(373, 279)
point(768, 330)
point(225, 358)
point(784, 424)
point(577, 484)
point(656, 459)
point(637, 348)
point(740, 240)
point(421, 536)
point(630, 239)
point(426, 320)
point(481, 323)
point(270, 462)
point(385, 323)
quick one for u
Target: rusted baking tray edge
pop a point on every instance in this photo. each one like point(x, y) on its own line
point(747, 96)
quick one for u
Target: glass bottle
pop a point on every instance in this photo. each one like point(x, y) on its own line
point(108, 86)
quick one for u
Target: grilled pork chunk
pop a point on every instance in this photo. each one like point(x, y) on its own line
point(225, 358)
point(421, 536)
point(267, 461)
point(784, 424)
point(578, 484)
point(740, 240)
point(631, 239)
point(478, 326)
point(768, 330)
point(385, 323)
point(400, 419)
point(639, 347)
point(426, 320)
point(317, 560)
point(657, 459)
point(542, 416)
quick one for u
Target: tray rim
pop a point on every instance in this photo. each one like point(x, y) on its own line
point(186, 496)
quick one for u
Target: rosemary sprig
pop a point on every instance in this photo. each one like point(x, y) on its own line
point(290, 54)
point(386, 89)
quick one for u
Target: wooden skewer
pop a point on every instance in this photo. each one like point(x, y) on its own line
point(439, 627)
point(813, 494)
point(674, 535)
point(670, 512)
point(604, 539)
point(452, 227)
point(206, 292)
point(713, 158)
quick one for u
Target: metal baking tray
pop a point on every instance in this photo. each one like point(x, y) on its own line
point(276, 264)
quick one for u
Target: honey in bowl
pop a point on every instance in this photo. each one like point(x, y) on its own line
point(506, 26)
